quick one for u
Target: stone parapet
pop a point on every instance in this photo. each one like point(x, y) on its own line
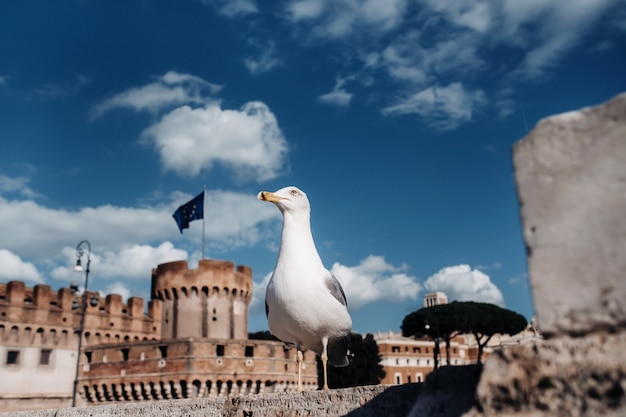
point(367, 401)
point(40, 316)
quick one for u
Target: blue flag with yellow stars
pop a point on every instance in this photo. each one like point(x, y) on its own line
point(192, 210)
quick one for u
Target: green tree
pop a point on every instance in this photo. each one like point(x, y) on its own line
point(443, 321)
point(446, 321)
point(364, 368)
point(262, 335)
point(485, 320)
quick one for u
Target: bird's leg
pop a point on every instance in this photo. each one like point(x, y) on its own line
point(299, 359)
point(324, 357)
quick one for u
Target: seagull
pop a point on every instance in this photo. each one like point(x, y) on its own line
point(304, 303)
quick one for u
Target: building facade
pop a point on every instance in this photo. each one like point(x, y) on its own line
point(191, 341)
point(408, 359)
point(435, 298)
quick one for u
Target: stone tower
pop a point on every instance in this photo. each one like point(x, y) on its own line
point(435, 298)
point(208, 302)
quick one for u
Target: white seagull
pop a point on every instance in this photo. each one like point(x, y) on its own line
point(305, 304)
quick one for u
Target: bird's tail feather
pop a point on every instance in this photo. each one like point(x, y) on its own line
point(339, 352)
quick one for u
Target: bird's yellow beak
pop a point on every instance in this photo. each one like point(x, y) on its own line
point(268, 196)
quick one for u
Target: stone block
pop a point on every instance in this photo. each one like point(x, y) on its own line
point(564, 376)
point(571, 180)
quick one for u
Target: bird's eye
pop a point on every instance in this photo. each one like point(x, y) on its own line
point(294, 192)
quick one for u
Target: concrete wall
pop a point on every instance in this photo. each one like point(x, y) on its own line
point(53, 381)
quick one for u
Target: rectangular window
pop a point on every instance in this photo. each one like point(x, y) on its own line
point(249, 351)
point(125, 353)
point(88, 355)
point(219, 350)
point(13, 357)
point(417, 350)
point(395, 349)
point(163, 350)
point(44, 357)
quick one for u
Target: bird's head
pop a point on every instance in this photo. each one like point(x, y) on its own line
point(288, 199)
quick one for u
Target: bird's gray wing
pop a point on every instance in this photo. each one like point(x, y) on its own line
point(335, 289)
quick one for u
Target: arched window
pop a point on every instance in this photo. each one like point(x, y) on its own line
point(398, 378)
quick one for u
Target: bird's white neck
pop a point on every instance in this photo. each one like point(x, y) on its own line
point(297, 243)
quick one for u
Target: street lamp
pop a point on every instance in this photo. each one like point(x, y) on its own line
point(436, 351)
point(83, 306)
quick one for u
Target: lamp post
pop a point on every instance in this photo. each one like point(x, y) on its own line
point(436, 340)
point(83, 306)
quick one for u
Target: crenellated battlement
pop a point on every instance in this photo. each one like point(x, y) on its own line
point(174, 280)
point(208, 302)
point(40, 315)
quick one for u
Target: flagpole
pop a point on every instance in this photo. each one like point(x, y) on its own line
point(203, 204)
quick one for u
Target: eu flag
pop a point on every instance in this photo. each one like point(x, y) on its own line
point(192, 210)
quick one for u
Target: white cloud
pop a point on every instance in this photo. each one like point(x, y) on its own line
point(336, 97)
point(493, 267)
point(35, 231)
point(548, 29)
point(171, 89)
point(14, 269)
point(233, 8)
point(465, 284)
point(375, 280)
point(521, 279)
point(49, 91)
point(450, 44)
point(341, 18)
point(414, 58)
point(402, 62)
point(257, 304)
point(474, 14)
point(190, 139)
point(267, 60)
point(38, 242)
point(16, 184)
point(441, 107)
point(119, 288)
point(339, 96)
point(444, 43)
point(305, 9)
point(133, 262)
point(248, 141)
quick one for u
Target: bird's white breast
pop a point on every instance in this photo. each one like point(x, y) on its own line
point(302, 308)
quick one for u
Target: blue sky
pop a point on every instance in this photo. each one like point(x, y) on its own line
point(395, 117)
